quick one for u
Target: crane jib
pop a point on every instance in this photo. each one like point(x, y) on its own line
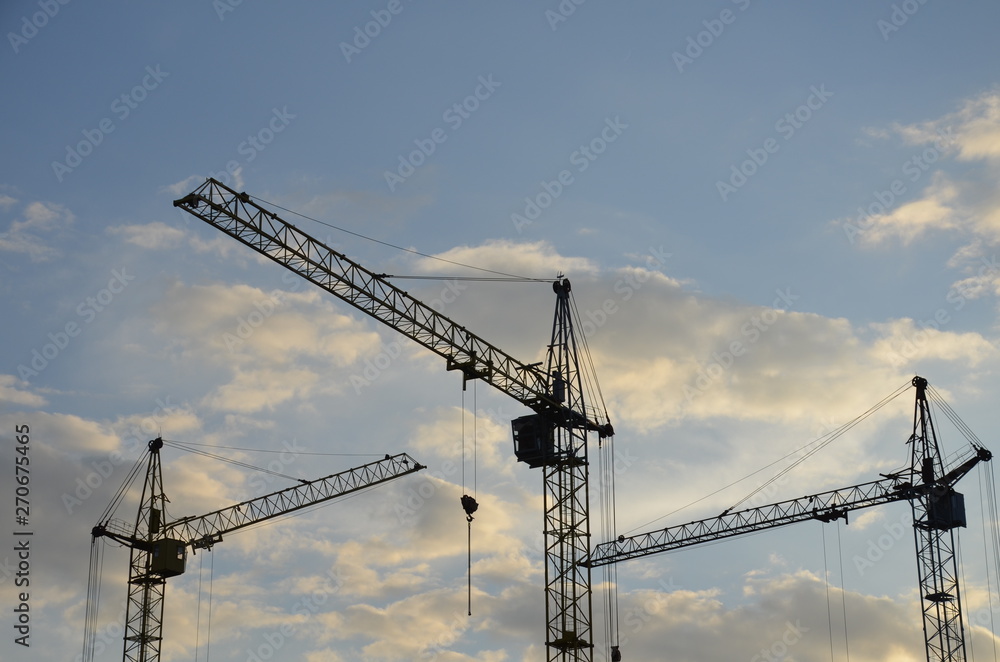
point(239, 216)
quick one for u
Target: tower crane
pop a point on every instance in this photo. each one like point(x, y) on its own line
point(553, 438)
point(159, 548)
point(927, 484)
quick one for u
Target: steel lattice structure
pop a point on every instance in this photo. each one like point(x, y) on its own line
point(937, 510)
point(933, 517)
point(203, 530)
point(568, 600)
point(153, 542)
point(567, 519)
point(268, 234)
point(144, 609)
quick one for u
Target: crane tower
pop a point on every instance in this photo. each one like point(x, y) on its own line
point(158, 548)
point(553, 438)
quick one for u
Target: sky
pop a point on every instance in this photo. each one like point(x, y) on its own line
point(773, 215)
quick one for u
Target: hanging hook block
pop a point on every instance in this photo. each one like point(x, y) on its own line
point(469, 505)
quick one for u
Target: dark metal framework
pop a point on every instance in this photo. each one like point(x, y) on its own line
point(934, 521)
point(567, 519)
point(568, 602)
point(268, 234)
point(144, 610)
point(204, 530)
point(826, 506)
point(147, 582)
point(937, 510)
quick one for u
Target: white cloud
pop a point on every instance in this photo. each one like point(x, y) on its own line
point(261, 390)
point(532, 260)
point(246, 326)
point(973, 130)
point(153, 236)
point(11, 393)
point(26, 236)
point(183, 187)
point(903, 343)
point(934, 211)
point(965, 202)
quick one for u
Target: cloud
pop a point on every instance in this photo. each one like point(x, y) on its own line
point(184, 186)
point(26, 236)
point(161, 236)
point(530, 259)
point(935, 210)
point(152, 236)
point(782, 616)
point(240, 325)
point(11, 394)
point(261, 390)
point(902, 342)
point(964, 202)
point(973, 131)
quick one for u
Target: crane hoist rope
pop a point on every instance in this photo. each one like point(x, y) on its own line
point(469, 503)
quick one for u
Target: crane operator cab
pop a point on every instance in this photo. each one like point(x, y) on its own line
point(534, 440)
point(168, 557)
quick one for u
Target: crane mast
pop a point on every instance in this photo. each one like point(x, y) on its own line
point(554, 437)
point(158, 549)
point(568, 600)
point(937, 510)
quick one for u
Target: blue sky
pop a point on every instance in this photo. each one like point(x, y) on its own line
point(815, 181)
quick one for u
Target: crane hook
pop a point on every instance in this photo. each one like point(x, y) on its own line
point(470, 506)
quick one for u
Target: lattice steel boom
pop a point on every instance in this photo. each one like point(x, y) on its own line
point(203, 530)
point(240, 217)
point(158, 550)
point(937, 510)
point(554, 438)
